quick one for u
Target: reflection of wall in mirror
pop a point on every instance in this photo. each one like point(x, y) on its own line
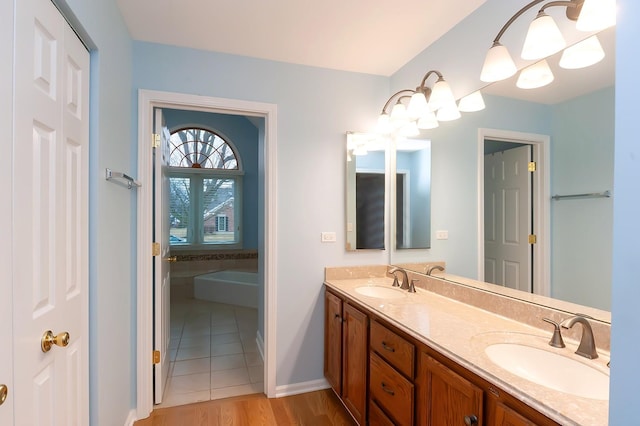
point(413, 199)
point(581, 133)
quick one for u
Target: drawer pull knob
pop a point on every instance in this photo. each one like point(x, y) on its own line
point(338, 317)
point(387, 389)
point(387, 347)
point(471, 420)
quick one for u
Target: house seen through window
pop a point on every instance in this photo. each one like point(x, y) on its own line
point(205, 184)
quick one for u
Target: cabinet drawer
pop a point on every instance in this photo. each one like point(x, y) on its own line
point(391, 390)
point(393, 348)
point(377, 417)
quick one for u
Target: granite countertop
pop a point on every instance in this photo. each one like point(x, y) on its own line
point(461, 332)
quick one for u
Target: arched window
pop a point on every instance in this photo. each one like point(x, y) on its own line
point(205, 189)
point(201, 149)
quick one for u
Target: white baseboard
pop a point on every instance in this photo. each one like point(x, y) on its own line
point(131, 418)
point(260, 343)
point(298, 388)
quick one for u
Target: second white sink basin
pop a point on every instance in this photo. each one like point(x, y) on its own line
point(380, 292)
point(551, 370)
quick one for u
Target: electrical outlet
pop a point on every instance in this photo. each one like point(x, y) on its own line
point(328, 237)
point(442, 235)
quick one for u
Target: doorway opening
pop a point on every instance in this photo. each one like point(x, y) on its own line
point(265, 116)
point(212, 196)
point(532, 225)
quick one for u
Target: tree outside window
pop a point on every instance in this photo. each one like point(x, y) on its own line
point(205, 189)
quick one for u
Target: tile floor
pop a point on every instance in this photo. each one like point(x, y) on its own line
point(213, 352)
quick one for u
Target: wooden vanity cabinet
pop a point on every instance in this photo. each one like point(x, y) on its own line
point(505, 416)
point(447, 398)
point(391, 374)
point(346, 354)
point(408, 382)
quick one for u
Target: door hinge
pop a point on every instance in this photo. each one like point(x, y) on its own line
point(533, 239)
point(156, 357)
point(532, 166)
point(155, 249)
point(155, 140)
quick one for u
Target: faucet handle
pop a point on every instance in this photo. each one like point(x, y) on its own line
point(556, 340)
point(395, 281)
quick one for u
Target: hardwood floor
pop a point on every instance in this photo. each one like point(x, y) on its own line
point(314, 408)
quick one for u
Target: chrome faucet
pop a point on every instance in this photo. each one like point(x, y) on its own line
point(587, 346)
point(405, 285)
point(430, 269)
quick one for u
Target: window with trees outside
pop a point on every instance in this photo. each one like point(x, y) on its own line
point(205, 184)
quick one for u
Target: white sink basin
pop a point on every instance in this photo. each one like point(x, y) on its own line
point(380, 292)
point(551, 370)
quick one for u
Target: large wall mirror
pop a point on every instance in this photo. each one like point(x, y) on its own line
point(388, 181)
point(576, 114)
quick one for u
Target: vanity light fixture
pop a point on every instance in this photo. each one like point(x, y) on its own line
point(534, 76)
point(440, 95)
point(427, 121)
point(471, 103)
point(398, 118)
point(582, 54)
point(426, 106)
point(597, 15)
point(544, 38)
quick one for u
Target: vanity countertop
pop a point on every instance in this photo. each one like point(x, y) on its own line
point(461, 332)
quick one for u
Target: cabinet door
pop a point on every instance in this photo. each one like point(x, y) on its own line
point(451, 399)
point(505, 416)
point(377, 417)
point(354, 361)
point(333, 341)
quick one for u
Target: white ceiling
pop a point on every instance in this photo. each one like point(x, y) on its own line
point(368, 36)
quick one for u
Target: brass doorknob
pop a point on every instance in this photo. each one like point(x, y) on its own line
point(4, 392)
point(48, 340)
point(172, 259)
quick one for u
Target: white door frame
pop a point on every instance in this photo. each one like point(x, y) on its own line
point(147, 101)
point(541, 199)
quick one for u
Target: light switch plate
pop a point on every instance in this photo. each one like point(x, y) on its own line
point(442, 235)
point(328, 237)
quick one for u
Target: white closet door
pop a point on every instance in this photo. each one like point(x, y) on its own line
point(50, 218)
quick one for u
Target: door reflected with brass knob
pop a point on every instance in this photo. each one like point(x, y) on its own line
point(48, 340)
point(4, 392)
point(172, 259)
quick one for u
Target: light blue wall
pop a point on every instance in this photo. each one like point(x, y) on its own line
point(373, 161)
point(418, 164)
point(625, 374)
point(315, 109)
point(244, 137)
point(112, 214)
point(582, 142)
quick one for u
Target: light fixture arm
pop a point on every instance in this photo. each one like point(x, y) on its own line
point(573, 10)
point(519, 13)
point(422, 88)
point(573, 7)
point(405, 92)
